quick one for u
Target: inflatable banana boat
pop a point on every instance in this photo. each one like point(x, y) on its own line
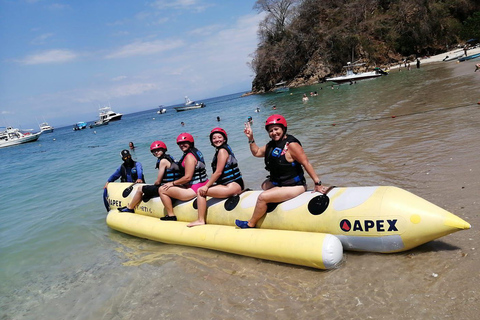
point(375, 219)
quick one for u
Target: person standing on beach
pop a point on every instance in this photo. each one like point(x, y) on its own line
point(129, 170)
point(168, 171)
point(284, 158)
point(418, 63)
point(226, 179)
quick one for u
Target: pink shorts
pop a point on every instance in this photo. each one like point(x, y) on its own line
point(197, 186)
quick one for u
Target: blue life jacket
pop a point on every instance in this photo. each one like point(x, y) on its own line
point(124, 173)
point(282, 172)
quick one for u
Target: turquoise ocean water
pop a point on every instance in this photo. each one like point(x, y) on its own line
point(59, 260)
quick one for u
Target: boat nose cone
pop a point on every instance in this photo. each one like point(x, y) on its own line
point(456, 222)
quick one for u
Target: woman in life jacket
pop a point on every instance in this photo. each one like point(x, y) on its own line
point(168, 171)
point(284, 158)
point(129, 170)
point(226, 179)
point(194, 176)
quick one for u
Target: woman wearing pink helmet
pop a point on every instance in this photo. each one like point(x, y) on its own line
point(194, 176)
point(226, 179)
point(168, 171)
point(284, 158)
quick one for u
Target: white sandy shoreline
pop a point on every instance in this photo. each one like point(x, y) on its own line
point(439, 57)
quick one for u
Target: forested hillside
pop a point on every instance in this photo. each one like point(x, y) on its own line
point(303, 41)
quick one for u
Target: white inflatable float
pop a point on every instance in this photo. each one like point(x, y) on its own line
point(375, 219)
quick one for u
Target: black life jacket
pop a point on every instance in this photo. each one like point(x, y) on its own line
point(282, 172)
point(133, 173)
point(171, 174)
point(231, 171)
point(200, 173)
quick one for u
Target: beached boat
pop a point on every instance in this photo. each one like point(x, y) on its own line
point(454, 56)
point(13, 136)
point(79, 126)
point(46, 128)
point(106, 113)
point(374, 219)
point(189, 105)
point(99, 123)
point(473, 56)
point(352, 76)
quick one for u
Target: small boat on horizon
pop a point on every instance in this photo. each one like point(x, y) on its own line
point(189, 105)
point(352, 76)
point(46, 128)
point(79, 126)
point(106, 113)
point(161, 110)
point(99, 123)
point(13, 136)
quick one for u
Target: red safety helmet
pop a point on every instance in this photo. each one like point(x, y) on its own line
point(182, 137)
point(219, 130)
point(158, 145)
point(276, 119)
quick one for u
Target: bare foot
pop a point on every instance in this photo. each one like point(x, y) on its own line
point(196, 223)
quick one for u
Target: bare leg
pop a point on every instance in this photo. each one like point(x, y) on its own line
point(176, 193)
point(218, 191)
point(136, 198)
point(202, 211)
point(273, 195)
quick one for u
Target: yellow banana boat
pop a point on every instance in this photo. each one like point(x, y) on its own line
point(311, 249)
point(375, 219)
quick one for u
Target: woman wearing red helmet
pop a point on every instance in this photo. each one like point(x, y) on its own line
point(194, 176)
point(168, 171)
point(284, 159)
point(226, 179)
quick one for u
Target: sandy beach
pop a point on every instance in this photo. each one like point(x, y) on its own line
point(440, 57)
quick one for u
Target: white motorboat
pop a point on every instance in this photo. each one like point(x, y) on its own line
point(46, 128)
point(12, 136)
point(161, 110)
point(281, 87)
point(351, 75)
point(189, 105)
point(106, 113)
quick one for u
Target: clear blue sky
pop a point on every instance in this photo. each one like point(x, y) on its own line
point(61, 60)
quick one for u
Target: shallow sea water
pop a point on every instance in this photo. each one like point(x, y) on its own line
point(417, 130)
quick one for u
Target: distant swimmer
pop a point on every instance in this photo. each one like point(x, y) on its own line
point(218, 118)
point(257, 110)
point(305, 98)
point(477, 66)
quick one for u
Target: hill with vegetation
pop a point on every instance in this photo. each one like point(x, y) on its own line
point(303, 41)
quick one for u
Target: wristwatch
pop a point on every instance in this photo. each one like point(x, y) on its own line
point(319, 183)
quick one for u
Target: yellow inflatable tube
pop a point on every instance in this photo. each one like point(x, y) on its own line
point(375, 219)
point(317, 250)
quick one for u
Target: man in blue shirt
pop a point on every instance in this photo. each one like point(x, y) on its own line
point(129, 170)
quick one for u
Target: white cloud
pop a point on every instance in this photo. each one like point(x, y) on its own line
point(207, 30)
point(194, 5)
point(50, 56)
point(142, 48)
point(41, 39)
point(119, 78)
